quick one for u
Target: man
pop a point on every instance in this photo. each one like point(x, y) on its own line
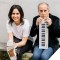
point(53, 30)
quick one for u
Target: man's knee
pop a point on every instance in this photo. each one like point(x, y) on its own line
point(36, 56)
point(44, 57)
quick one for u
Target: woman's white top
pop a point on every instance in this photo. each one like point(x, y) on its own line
point(19, 31)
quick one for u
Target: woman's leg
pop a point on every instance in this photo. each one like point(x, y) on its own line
point(37, 53)
point(19, 57)
point(47, 53)
point(21, 50)
point(24, 49)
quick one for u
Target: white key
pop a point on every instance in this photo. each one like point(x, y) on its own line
point(43, 35)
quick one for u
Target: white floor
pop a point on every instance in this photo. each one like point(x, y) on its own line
point(56, 55)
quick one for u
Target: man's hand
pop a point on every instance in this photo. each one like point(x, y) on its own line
point(48, 21)
point(38, 21)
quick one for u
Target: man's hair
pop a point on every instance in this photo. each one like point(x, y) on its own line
point(43, 3)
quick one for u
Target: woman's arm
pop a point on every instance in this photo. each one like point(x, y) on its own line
point(9, 32)
point(10, 36)
point(22, 43)
point(10, 39)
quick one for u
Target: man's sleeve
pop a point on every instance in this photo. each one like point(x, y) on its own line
point(33, 30)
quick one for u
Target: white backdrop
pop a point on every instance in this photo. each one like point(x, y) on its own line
point(30, 10)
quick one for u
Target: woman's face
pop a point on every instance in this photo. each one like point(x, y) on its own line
point(15, 15)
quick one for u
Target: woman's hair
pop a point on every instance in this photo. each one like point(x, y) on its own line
point(19, 8)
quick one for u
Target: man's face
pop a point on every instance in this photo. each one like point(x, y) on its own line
point(43, 11)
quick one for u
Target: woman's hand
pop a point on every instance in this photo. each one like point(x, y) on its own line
point(9, 43)
point(15, 45)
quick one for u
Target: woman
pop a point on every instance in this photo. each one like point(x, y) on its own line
point(18, 30)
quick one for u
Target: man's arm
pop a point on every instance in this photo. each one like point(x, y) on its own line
point(34, 28)
point(55, 27)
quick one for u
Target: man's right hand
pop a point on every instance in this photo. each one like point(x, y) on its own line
point(38, 21)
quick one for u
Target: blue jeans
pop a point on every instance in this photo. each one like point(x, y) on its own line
point(42, 54)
